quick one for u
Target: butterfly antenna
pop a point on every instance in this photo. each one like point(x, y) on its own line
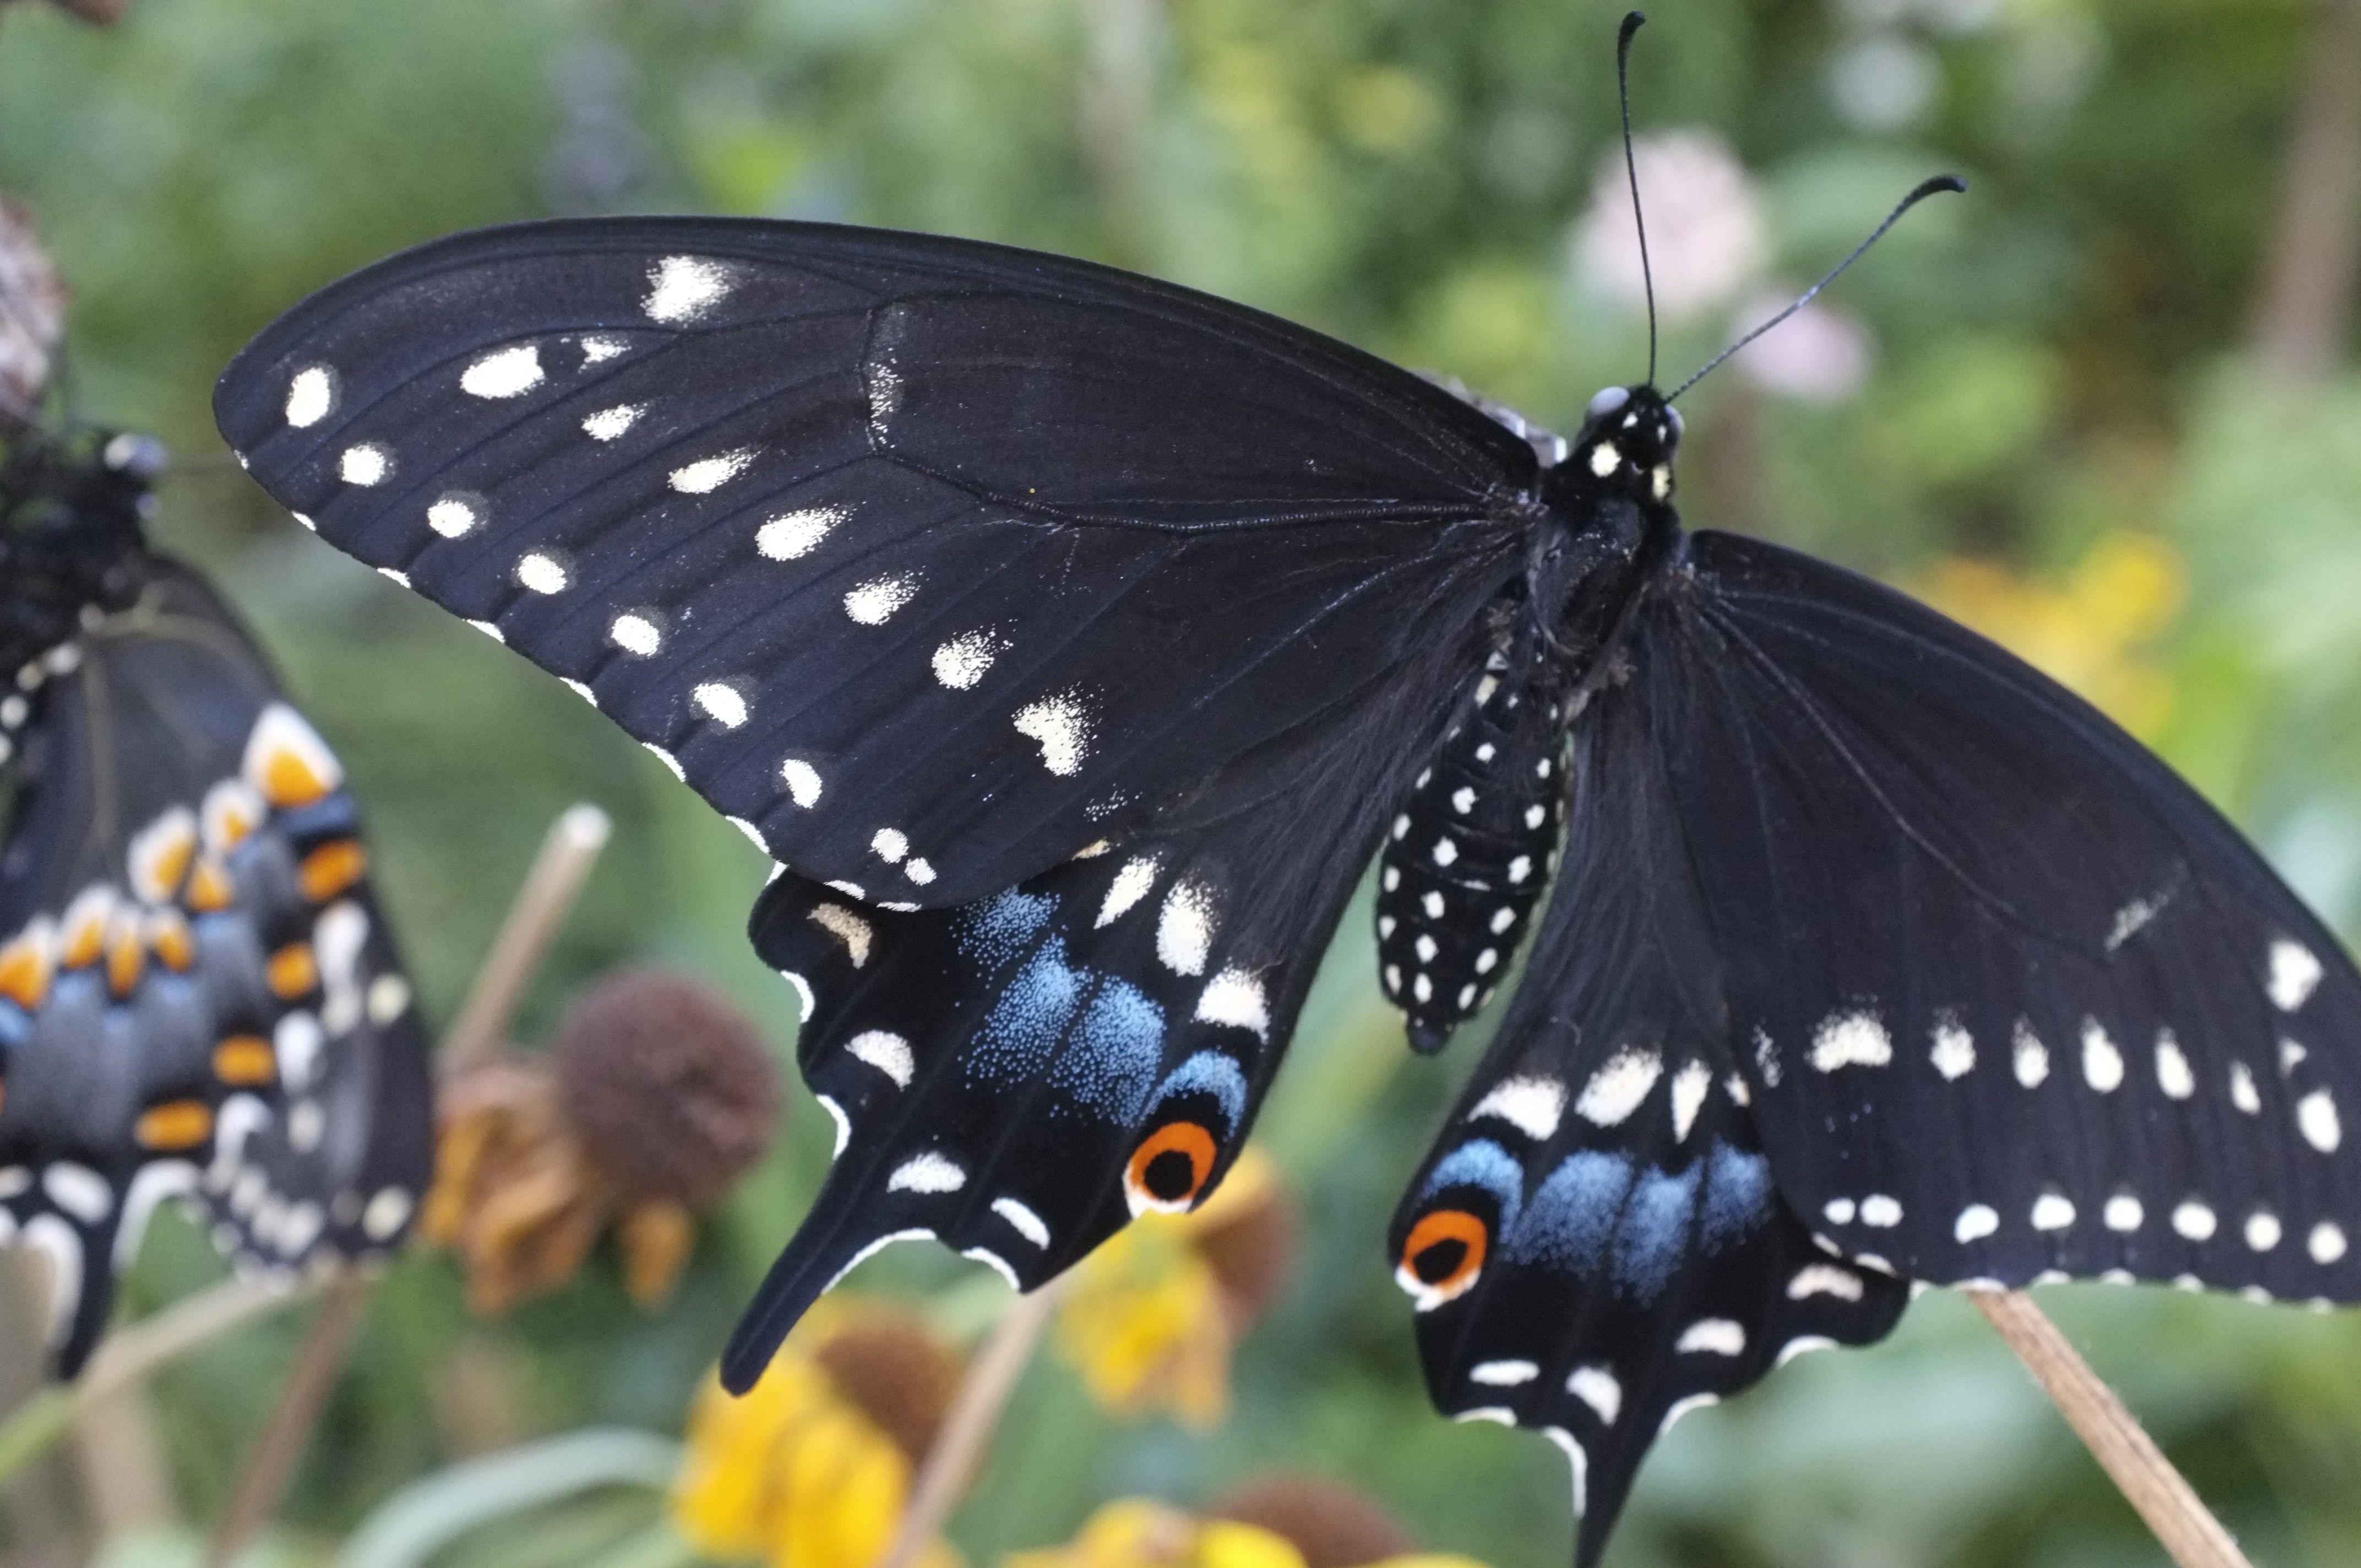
point(1925, 188)
point(1632, 22)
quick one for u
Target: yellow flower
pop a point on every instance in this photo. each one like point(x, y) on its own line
point(1138, 1533)
point(2089, 631)
point(812, 1467)
point(1150, 1317)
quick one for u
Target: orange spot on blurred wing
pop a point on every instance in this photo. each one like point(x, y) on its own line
point(293, 972)
point(245, 1061)
point(175, 1125)
point(331, 869)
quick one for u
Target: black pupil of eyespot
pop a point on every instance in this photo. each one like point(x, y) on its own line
point(1170, 1176)
point(1438, 1260)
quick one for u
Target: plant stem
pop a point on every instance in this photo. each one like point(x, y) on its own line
point(2188, 1531)
point(542, 901)
point(270, 1464)
point(974, 1413)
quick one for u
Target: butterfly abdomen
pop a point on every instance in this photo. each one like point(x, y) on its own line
point(1470, 848)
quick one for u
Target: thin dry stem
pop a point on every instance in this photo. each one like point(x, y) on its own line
point(975, 1412)
point(270, 1464)
point(568, 851)
point(2182, 1523)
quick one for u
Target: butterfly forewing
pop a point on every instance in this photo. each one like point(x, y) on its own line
point(901, 549)
point(197, 995)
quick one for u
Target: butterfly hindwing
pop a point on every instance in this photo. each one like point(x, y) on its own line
point(1596, 1244)
point(2066, 1018)
point(193, 975)
point(900, 548)
point(1021, 1077)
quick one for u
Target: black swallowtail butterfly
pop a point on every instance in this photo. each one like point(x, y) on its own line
point(1073, 641)
point(198, 996)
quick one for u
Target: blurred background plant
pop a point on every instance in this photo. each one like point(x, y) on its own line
point(2103, 407)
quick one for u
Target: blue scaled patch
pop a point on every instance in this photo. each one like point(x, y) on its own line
point(1655, 1231)
point(1737, 1194)
point(1484, 1164)
point(1572, 1212)
point(1111, 1067)
point(1021, 1032)
point(1208, 1073)
point(996, 931)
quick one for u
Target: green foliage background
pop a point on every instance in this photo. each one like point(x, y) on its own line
point(2063, 353)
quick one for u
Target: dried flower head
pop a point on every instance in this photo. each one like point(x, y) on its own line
point(658, 1095)
point(669, 1086)
point(812, 1467)
point(1331, 1524)
point(32, 315)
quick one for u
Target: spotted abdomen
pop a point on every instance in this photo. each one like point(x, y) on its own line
point(1469, 851)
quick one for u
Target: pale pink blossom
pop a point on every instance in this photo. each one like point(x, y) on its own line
point(1706, 232)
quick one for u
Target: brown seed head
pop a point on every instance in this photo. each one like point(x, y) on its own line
point(896, 1373)
point(1332, 1524)
point(670, 1088)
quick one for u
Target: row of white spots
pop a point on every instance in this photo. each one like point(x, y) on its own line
point(1617, 1088)
point(1714, 1337)
point(1531, 1104)
point(1184, 933)
point(1236, 998)
point(1878, 1209)
point(2192, 1219)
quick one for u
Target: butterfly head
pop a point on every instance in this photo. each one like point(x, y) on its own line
point(1629, 437)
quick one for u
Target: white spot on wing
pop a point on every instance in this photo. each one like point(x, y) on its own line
point(1880, 1210)
point(928, 1172)
point(2052, 1211)
point(1063, 729)
point(2316, 1118)
point(1236, 998)
point(2103, 1064)
point(1976, 1222)
point(1954, 1055)
point(1597, 1387)
point(794, 534)
point(1616, 1089)
point(847, 928)
point(79, 1190)
point(2032, 1056)
point(710, 474)
point(683, 288)
point(365, 465)
point(874, 602)
point(2295, 970)
point(2243, 1092)
point(1184, 934)
point(608, 424)
point(2194, 1220)
point(1690, 1086)
point(453, 516)
point(503, 373)
point(887, 1052)
point(1824, 1279)
point(1130, 885)
point(542, 573)
point(720, 702)
point(2172, 1072)
point(802, 780)
point(962, 662)
point(310, 396)
point(635, 634)
point(1850, 1039)
point(2124, 1213)
point(2326, 1242)
point(1531, 1103)
point(1021, 1220)
point(1716, 1336)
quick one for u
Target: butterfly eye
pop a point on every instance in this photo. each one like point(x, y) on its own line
point(1168, 1169)
point(1606, 400)
point(1442, 1256)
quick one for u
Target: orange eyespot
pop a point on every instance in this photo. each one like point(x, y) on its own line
point(245, 1061)
point(1442, 1256)
point(1168, 1169)
point(293, 972)
point(175, 1124)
